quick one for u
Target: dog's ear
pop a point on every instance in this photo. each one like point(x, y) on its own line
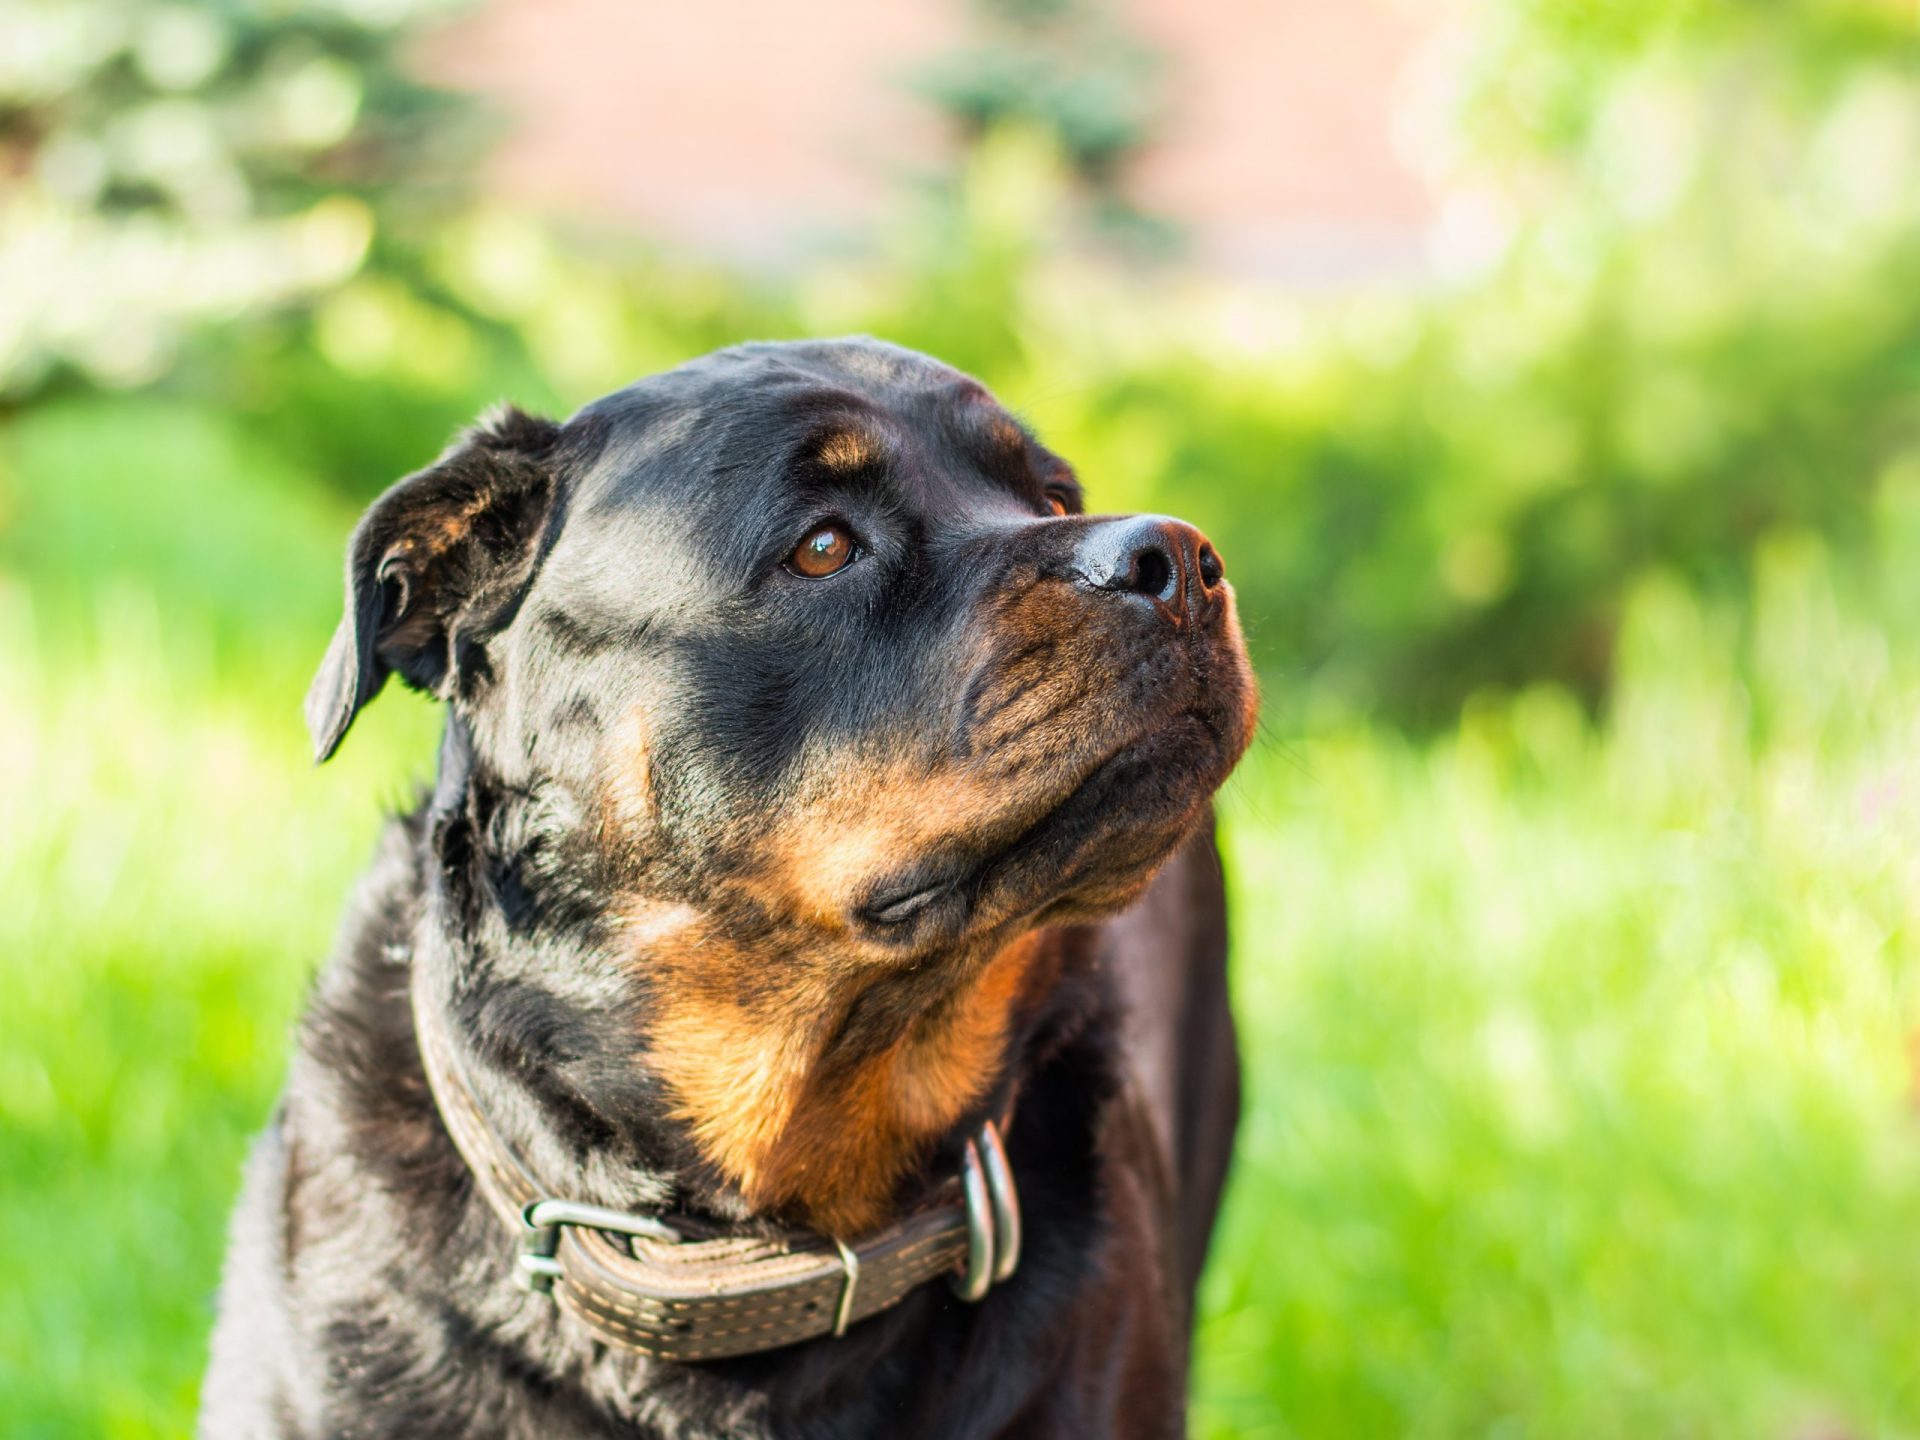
point(435, 566)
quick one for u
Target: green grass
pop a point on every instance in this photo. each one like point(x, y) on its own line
point(1579, 1096)
point(170, 871)
point(1580, 1100)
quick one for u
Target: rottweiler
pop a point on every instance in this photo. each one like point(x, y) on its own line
point(797, 1008)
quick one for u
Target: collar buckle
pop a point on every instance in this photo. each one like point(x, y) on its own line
point(539, 1267)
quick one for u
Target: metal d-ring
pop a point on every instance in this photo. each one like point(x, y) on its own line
point(973, 1184)
point(538, 1267)
point(849, 1262)
point(1005, 1201)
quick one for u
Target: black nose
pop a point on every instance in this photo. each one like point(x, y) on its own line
point(1166, 560)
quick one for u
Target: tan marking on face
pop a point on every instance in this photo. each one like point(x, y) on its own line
point(848, 450)
point(629, 770)
point(1006, 434)
point(867, 820)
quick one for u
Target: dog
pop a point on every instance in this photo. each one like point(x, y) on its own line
point(798, 1007)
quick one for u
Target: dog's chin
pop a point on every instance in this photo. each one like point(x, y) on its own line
point(1089, 854)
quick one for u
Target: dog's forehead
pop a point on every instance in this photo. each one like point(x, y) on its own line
point(692, 465)
point(748, 391)
point(720, 435)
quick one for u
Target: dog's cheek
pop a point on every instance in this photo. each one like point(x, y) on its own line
point(1053, 684)
point(863, 819)
point(628, 835)
point(627, 766)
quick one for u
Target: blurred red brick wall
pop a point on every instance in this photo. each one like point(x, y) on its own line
point(758, 129)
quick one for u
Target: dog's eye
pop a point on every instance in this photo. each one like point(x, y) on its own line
point(826, 551)
point(1056, 502)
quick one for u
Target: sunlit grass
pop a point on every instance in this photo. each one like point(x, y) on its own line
point(1579, 1091)
point(1578, 1101)
point(171, 868)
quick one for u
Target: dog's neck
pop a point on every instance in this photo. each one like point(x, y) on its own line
point(640, 1082)
point(596, 1126)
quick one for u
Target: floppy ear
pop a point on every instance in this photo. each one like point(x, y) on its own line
point(435, 566)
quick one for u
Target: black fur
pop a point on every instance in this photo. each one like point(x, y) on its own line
point(547, 580)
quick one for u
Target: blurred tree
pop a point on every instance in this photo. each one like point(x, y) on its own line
point(1070, 70)
point(1696, 316)
point(163, 165)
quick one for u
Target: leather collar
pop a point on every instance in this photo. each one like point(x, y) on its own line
point(657, 1287)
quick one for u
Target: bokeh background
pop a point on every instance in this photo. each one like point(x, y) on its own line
point(1548, 372)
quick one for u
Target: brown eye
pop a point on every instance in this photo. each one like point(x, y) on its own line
point(1056, 502)
point(827, 551)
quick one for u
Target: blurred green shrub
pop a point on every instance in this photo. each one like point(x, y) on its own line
point(1067, 67)
point(168, 165)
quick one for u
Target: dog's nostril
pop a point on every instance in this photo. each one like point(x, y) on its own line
point(1152, 556)
point(1152, 571)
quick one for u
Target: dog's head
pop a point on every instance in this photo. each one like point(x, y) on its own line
point(833, 696)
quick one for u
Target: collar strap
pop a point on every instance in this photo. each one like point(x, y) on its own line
point(644, 1284)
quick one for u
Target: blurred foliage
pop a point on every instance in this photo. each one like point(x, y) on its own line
point(1068, 68)
point(1696, 315)
point(168, 165)
point(1553, 82)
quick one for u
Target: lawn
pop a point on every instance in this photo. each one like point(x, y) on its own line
point(1580, 1092)
point(1579, 1100)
